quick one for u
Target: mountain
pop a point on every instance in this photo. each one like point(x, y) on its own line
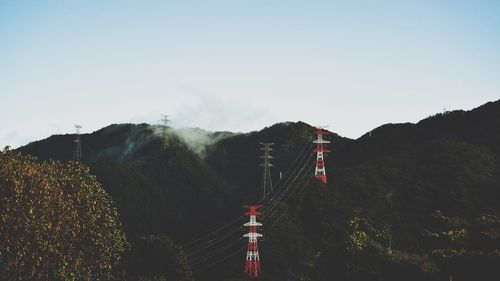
point(413, 201)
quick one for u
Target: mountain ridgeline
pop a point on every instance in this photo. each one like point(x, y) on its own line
point(403, 202)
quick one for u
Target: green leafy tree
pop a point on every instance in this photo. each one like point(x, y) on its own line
point(466, 246)
point(362, 236)
point(56, 222)
point(457, 236)
point(372, 256)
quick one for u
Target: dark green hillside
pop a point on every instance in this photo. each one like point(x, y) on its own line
point(406, 202)
point(480, 126)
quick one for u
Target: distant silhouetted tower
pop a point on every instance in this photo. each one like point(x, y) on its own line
point(320, 172)
point(267, 182)
point(165, 126)
point(77, 153)
point(252, 264)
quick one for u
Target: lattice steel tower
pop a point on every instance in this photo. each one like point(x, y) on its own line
point(252, 264)
point(165, 127)
point(320, 172)
point(77, 153)
point(267, 182)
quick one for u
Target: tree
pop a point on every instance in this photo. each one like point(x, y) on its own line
point(158, 258)
point(362, 236)
point(56, 222)
point(466, 247)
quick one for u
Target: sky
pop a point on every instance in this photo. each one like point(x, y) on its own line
point(241, 65)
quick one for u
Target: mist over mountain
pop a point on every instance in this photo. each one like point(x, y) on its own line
point(404, 201)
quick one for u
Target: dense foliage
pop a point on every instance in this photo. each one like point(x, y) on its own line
point(158, 258)
point(404, 202)
point(56, 222)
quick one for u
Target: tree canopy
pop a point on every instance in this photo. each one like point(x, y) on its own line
point(56, 222)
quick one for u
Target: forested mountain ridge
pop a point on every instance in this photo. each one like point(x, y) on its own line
point(480, 126)
point(419, 199)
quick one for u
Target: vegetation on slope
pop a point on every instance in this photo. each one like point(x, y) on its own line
point(407, 201)
point(57, 223)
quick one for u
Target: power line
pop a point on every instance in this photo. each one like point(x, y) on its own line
point(284, 180)
point(303, 181)
point(208, 256)
point(214, 252)
point(207, 251)
point(216, 230)
point(287, 180)
point(212, 242)
point(303, 184)
point(275, 200)
point(299, 156)
point(240, 251)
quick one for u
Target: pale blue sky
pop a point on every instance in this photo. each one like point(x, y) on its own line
point(241, 65)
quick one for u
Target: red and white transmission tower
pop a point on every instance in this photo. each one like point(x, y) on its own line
point(320, 172)
point(252, 265)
